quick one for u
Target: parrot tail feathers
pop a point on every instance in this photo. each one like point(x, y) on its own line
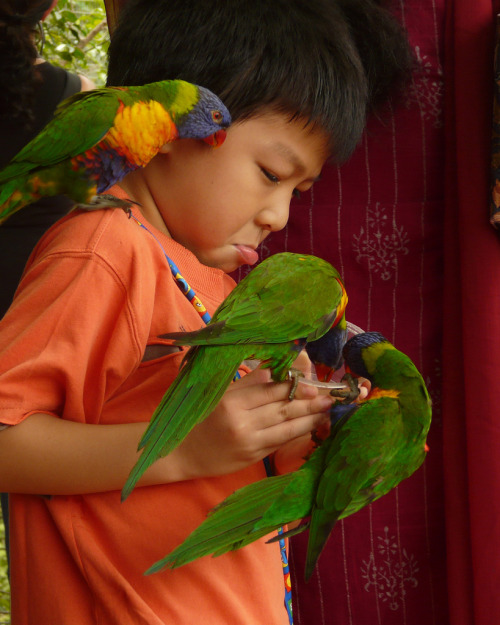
point(165, 432)
point(12, 198)
point(289, 533)
point(320, 528)
point(190, 398)
point(177, 398)
point(154, 444)
point(230, 525)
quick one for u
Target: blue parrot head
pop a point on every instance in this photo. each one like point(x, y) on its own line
point(326, 352)
point(355, 354)
point(207, 120)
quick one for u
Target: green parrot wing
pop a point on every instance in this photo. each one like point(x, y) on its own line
point(80, 122)
point(286, 297)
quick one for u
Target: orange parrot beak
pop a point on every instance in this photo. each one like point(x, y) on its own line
point(217, 139)
point(324, 373)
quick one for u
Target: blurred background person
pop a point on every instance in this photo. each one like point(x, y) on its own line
point(30, 90)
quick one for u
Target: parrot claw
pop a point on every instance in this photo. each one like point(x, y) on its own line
point(108, 201)
point(316, 440)
point(348, 395)
point(294, 376)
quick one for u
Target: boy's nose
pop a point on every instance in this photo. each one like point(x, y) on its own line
point(275, 216)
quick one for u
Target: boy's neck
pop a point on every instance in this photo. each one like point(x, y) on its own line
point(136, 188)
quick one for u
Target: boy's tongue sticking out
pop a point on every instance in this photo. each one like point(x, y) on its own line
point(248, 254)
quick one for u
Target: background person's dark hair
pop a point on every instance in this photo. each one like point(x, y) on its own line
point(330, 61)
point(18, 74)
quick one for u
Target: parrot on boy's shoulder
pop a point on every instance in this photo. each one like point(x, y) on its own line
point(286, 301)
point(97, 137)
point(373, 445)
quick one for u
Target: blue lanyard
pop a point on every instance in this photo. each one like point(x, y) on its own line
point(205, 315)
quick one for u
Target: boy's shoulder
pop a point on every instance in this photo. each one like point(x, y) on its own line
point(131, 249)
point(108, 236)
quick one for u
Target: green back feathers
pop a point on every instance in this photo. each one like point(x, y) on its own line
point(392, 371)
point(267, 306)
point(178, 96)
point(276, 289)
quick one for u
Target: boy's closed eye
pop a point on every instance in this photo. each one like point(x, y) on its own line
point(276, 180)
point(270, 176)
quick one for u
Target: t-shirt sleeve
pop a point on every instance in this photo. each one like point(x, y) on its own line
point(68, 341)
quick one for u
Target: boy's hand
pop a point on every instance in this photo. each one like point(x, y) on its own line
point(253, 419)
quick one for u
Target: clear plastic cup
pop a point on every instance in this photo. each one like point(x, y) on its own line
point(311, 379)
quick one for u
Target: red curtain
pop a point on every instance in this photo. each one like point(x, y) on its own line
point(472, 322)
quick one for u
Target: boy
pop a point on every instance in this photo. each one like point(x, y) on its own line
point(83, 363)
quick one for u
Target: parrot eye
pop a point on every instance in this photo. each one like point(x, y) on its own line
point(217, 116)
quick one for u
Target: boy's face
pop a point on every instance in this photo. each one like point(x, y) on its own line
point(222, 203)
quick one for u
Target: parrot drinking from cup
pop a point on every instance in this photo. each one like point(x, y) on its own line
point(286, 301)
point(326, 352)
point(373, 445)
point(97, 137)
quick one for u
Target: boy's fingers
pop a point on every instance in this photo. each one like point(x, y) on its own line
point(277, 435)
point(257, 376)
point(261, 390)
point(283, 411)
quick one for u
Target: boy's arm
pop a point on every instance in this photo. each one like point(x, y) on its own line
point(46, 455)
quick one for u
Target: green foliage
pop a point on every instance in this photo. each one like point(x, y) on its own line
point(4, 582)
point(77, 38)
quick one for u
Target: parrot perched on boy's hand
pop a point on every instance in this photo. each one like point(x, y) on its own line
point(97, 137)
point(374, 445)
point(284, 302)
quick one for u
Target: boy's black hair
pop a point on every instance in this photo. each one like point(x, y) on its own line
point(328, 61)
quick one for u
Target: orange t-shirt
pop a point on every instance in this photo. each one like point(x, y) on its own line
point(96, 292)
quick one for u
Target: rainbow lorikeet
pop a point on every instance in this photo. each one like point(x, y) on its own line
point(373, 445)
point(97, 137)
point(284, 302)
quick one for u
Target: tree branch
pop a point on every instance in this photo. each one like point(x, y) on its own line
point(97, 29)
